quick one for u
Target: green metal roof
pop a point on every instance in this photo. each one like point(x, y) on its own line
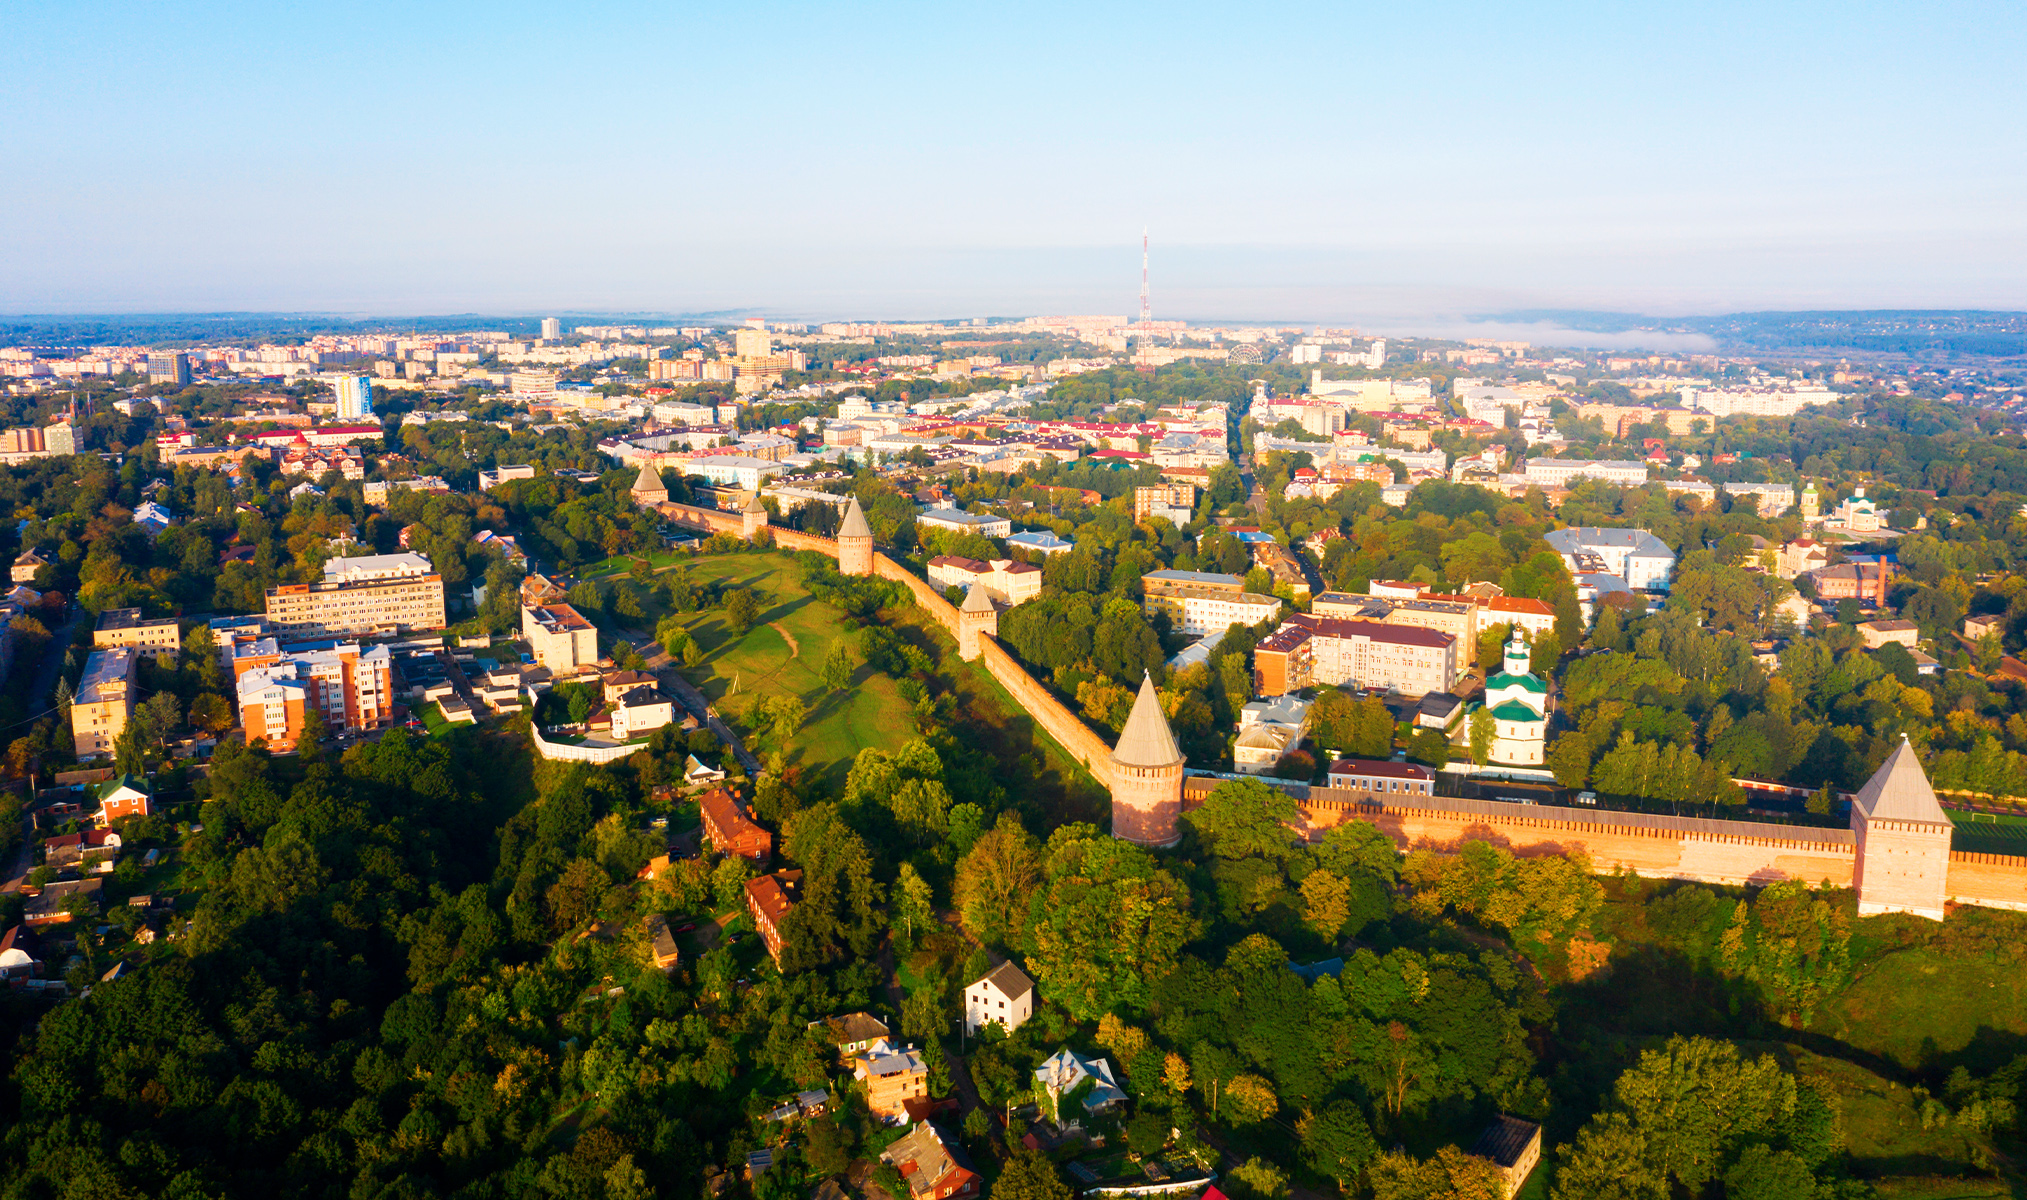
point(1524, 682)
point(1514, 710)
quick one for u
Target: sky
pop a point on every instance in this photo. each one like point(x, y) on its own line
point(1398, 166)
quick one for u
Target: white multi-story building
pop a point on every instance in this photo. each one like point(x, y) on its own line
point(1268, 730)
point(959, 521)
point(737, 470)
point(1560, 472)
point(1775, 498)
point(1771, 401)
point(378, 593)
point(1003, 579)
point(1311, 651)
point(1634, 555)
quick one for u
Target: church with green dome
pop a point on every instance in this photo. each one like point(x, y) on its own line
point(1517, 700)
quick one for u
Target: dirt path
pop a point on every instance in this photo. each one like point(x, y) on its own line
point(794, 651)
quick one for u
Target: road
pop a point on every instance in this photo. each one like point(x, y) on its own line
point(38, 696)
point(699, 706)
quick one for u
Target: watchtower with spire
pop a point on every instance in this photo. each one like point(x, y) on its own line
point(1903, 840)
point(855, 542)
point(1147, 775)
point(978, 616)
point(754, 518)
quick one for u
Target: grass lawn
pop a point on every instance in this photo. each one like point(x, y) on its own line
point(783, 654)
point(1924, 1011)
point(432, 718)
point(620, 564)
point(1882, 1126)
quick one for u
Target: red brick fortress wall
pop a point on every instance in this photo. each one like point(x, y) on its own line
point(1990, 880)
point(1063, 725)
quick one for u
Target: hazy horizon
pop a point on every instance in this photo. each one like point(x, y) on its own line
point(1384, 168)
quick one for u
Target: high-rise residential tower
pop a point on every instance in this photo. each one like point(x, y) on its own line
point(355, 397)
point(551, 328)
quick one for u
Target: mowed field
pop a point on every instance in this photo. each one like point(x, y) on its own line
point(783, 654)
point(1990, 833)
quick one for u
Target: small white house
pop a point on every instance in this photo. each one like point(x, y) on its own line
point(1004, 994)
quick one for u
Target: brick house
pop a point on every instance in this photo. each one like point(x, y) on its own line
point(731, 831)
point(769, 899)
point(932, 1165)
point(893, 1075)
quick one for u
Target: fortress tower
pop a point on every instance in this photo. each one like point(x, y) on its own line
point(1147, 775)
point(753, 519)
point(1903, 840)
point(855, 542)
point(648, 488)
point(978, 616)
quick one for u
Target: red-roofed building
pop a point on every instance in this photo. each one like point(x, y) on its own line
point(932, 1165)
point(731, 831)
point(769, 900)
point(1530, 614)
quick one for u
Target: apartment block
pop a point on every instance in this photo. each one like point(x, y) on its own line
point(104, 700)
point(350, 688)
point(381, 593)
point(1200, 611)
point(560, 638)
point(1170, 500)
point(1561, 472)
point(1311, 651)
point(769, 900)
point(159, 636)
point(1456, 616)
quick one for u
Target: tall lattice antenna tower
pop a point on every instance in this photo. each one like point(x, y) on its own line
point(1146, 312)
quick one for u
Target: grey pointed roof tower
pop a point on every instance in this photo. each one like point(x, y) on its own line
point(976, 601)
point(649, 480)
point(1899, 791)
point(1147, 741)
point(854, 524)
point(754, 505)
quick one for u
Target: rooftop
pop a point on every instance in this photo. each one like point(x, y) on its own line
point(102, 670)
point(128, 618)
point(376, 566)
point(1376, 769)
point(1506, 1140)
point(1197, 578)
point(1009, 979)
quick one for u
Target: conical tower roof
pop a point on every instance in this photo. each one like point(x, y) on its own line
point(649, 480)
point(855, 522)
point(754, 505)
point(1899, 791)
point(1147, 741)
point(976, 601)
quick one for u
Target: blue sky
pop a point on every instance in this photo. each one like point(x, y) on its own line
point(1390, 164)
